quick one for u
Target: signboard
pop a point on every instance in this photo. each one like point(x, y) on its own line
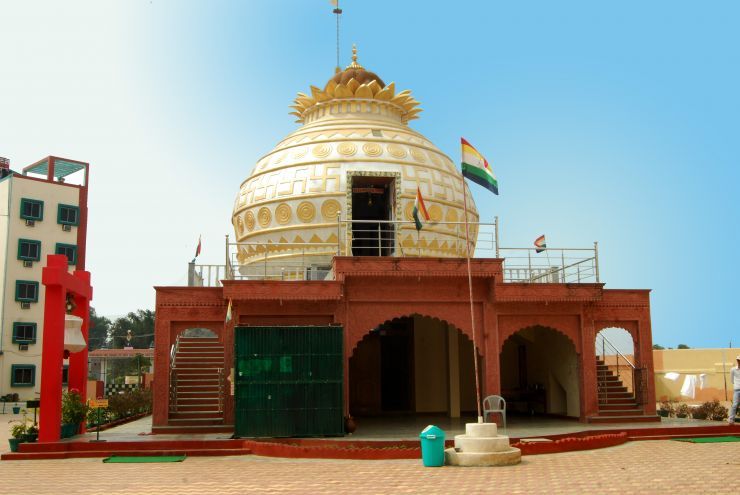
point(33, 404)
point(97, 403)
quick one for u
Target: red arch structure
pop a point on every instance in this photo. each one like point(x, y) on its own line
point(369, 291)
point(59, 282)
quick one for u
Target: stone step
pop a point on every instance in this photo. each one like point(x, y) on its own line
point(481, 430)
point(508, 457)
point(469, 444)
point(638, 418)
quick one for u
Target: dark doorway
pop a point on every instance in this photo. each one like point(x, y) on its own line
point(372, 216)
point(396, 356)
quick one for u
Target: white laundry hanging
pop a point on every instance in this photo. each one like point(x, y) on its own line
point(702, 381)
point(672, 375)
point(689, 386)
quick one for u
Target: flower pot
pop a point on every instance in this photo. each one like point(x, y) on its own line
point(663, 414)
point(30, 437)
point(16, 409)
point(69, 430)
point(13, 442)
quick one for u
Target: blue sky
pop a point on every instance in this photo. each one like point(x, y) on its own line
point(615, 123)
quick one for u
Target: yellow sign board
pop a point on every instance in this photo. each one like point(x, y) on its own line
point(97, 403)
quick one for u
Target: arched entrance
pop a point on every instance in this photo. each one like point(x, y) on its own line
point(615, 352)
point(413, 365)
point(539, 373)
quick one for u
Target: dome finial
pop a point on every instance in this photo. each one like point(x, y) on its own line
point(354, 64)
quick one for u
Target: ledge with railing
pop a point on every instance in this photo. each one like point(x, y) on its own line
point(313, 260)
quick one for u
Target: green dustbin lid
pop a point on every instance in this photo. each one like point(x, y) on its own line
point(432, 432)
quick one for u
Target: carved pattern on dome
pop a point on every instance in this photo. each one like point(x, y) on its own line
point(372, 149)
point(371, 90)
point(396, 151)
point(250, 221)
point(435, 159)
point(435, 212)
point(330, 209)
point(279, 158)
point(306, 211)
point(283, 213)
point(417, 155)
point(300, 153)
point(347, 149)
point(239, 225)
point(321, 150)
point(264, 217)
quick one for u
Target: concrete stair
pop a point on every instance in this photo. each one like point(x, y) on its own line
point(616, 403)
point(481, 445)
point(199, 367)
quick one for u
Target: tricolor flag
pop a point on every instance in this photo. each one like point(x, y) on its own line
point(197, 249)
point(420, 207)
point(228, 312)
point(475, 167)
point(540, 244)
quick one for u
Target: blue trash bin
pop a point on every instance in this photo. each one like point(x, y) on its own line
point(432, 446)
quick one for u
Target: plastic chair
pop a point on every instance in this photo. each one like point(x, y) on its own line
point(494, 404)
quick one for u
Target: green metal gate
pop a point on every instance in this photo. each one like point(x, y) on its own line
point(288, 381)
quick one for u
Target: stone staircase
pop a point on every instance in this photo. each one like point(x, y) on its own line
point(198, 383)
point(616, 403)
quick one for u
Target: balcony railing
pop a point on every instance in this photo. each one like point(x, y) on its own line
point(313, 260)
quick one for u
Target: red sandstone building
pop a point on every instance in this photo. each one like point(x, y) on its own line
point(340, 307)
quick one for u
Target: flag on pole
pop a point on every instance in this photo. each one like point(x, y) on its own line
point(197, 249)
point(476, 168)
point(228, 312)
point(540, 244)
point(420, 207)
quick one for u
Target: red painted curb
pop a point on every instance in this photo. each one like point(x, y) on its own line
point(571, 444)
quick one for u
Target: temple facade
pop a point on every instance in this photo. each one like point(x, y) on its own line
point(332, 304)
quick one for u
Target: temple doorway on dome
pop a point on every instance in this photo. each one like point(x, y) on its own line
point(412, 366)
point(373, 205)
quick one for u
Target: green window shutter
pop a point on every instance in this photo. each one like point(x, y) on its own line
point(32, 209)
point(69, 250)
point(26, 291)
point(22, 375)
point(24, 332)
point(68, 215)
point(29, 250)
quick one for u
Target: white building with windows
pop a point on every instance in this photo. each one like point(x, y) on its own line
point(43, 210)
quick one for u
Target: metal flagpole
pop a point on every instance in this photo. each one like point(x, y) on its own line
point(470, 290)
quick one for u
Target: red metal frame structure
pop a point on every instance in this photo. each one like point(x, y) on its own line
point(367, 292)
point(59, 282)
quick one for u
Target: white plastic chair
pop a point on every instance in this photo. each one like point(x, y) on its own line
point(494, 404)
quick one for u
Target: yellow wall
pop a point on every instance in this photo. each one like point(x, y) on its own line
point(430, 365)
point(694, 361)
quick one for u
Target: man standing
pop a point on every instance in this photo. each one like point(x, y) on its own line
point(735, 378)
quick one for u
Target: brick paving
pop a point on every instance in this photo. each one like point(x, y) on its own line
point(637, 467)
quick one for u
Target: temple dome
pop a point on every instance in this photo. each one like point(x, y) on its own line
point(354, 132)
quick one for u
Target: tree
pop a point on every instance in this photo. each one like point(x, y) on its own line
point(98, 331)
point(658, 347)
point(683, 346)
point(141, 325)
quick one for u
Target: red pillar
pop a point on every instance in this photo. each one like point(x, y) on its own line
point(77, 374)
point(52, 354)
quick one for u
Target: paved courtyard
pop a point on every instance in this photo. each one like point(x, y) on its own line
point(636, 467)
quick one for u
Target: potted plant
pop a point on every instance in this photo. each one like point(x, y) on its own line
point(666, 409)
point(74, 412)
point(682, 411)
point(18, 432)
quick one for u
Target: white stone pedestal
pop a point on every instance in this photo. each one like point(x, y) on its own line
point(482, 446)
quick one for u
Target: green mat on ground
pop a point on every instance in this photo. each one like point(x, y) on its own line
point(122, 459)
point(709, 439)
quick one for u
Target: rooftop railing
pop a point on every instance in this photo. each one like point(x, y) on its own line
point(313, 260)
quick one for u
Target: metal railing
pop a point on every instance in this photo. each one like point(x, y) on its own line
point(173, 374)
point(625, 370)
point(313, 260)
point(221, 390)
point(552, 265)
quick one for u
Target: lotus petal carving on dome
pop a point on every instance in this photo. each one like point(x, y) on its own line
point(403, 101)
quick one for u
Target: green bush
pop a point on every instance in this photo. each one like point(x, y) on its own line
point(711, 410)
point(74, 409)
point(130, 403)
point(682, 411)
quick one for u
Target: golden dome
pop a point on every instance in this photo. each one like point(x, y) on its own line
point(354, 137)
